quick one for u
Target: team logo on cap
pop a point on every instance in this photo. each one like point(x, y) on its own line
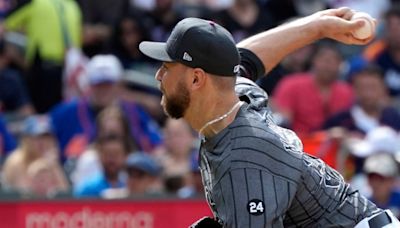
point(187, 57)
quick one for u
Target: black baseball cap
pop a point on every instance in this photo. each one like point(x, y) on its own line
point(200, 43)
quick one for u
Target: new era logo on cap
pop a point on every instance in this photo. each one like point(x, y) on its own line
point(187, 57)
point(236, 69)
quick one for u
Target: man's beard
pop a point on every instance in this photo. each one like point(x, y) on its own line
point(175, 105)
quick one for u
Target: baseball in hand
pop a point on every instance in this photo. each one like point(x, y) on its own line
point(368, 29)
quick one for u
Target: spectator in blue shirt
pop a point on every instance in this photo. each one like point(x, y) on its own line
point(112, 151)
point(74, 121)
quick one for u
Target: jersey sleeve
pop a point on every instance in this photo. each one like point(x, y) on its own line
point(253, 198)
point(251, 66)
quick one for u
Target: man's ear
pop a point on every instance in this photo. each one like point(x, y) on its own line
point(199, 78)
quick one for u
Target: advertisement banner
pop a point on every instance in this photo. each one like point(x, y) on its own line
point(102, 214)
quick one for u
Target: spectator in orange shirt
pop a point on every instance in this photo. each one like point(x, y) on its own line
point(307, 99)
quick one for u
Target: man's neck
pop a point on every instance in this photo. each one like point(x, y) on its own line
point(212, 110)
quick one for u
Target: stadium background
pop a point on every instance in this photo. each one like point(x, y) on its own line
point(84, 141)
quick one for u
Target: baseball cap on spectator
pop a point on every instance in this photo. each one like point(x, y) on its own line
point(380, 139)
point(143, 162)
point(198, 43)
point(383, 164)
point(36, 125)
point(104, 69)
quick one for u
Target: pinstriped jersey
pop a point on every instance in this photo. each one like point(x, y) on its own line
point(255, 173)
point(254, 178)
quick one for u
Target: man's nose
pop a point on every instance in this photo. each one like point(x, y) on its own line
point(158, 75)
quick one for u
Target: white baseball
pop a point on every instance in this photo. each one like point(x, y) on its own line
point(368, 29)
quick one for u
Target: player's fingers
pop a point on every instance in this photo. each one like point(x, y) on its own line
point(340, 27)
point(348, 14)
point(333, 12)
point(343, 11)
point(354, 25)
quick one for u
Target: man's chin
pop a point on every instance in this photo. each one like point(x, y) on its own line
point(169, 114)
point(170, 109)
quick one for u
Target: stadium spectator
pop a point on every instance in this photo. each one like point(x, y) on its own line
point(112, 151)
point(384, 52)
point(176, 158)
point(110, 121)
point(46, 179)
point(318, 92)
point(14, 97)
point(37, 141)
point(371, 109)
point(129, 32)
point(382, 172)
point(50, 27)
point(164, 17)
point(297, 61)
point(139, 88)
point(194, 185)
point(179, 142)
point(143, 178)
point(100, 17)
point(244, 18)
point(143, 175)
point(381, 139)
point(74, 121)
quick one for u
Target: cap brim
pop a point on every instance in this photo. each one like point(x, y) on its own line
point(155, 50)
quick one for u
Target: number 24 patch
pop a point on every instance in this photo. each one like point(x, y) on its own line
point(256, 207)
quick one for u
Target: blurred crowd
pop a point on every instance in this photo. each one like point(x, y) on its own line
point(80, 112)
